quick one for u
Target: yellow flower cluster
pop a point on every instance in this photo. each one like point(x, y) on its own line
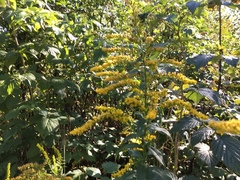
point(114, 114)
point(180, 77)
point(112, 75)
point(171, 61)
point(152, 114)
point(149, 137)
point(187, 105)
point(114, 36)
point(115, 49)
point(149, 39)
point(231, 126)
point(157, 49)
point(125, 82)
point(47, 159)
point(122, 58)
point(85, 127)
point(122, 171)
point(155, 96)
point(134, 102)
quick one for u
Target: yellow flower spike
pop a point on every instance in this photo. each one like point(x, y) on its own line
point(231, 126)
point(187, 105)
point(180, 77)
point(122, 171)
point(85, 127)
point(171, 61)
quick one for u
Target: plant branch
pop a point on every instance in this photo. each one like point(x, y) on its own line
point(220, 49)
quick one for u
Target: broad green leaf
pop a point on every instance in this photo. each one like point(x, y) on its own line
point(155, 127)
point(185, 123)
point(200, 135)
point(233, 61)
point(200, 60)
point(47, 125)
point(189, 177)
point(155, 173)
point(110, 167)
point(226, 149)
point(157, 154)
point(12, 114)
point(194, 96)
point(210, 94)
point(206, 155)
point(192, 6)
point(141, 171)
point(218, 171)
point(92, 171)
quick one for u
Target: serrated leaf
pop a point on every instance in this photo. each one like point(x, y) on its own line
point(200, 135)
point(185, 123)
point(110, 167)
point(157, 154)
point(200, 60)
point(226, 148)
point(233, 61)
point(47, 125)
point(155, 127)
point(192, 6)
point(155, 173)
point(210, 94)
point(206, 155)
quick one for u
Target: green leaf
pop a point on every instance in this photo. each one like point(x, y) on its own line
point(200, 60)
point(47, 125)
point(185, 123)
point(200, 135)
point(155, 127)
point(218, 171)
point(233, 61)
point(157, 154)
point(210, 94)
point(192, 6)
point(92, 171)
point(127, 176)
point(155, 173)
point(226, 148)
point(194, 96)
point(12, 114)
point(110, 167)
point(206, 155)
point(189, 177)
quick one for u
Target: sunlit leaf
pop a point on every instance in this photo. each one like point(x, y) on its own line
point(233, 61)
point(94, 172)
point(155, 127)
point(155, 173)
point(206, 155)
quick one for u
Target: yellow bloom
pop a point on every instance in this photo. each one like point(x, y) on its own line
point(180, 77)
point(187, 105)
point(85, 127)
point(152, 114)
point(149, 39)
point(149, 137)
point(134, 102)
point(171, 61)
point(122, 171)
point(121, 83)
point(231, 126)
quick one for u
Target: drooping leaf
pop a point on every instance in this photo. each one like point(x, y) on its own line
point(210, 94)
point(226, 149)
point(200, 135)
point(110, 167)
point(206, 155)
point(155, 173)
point(157, 154)
point(185, 123)
point(233, 61)
point(192, 6)
point(155, 127)
point(200, 60)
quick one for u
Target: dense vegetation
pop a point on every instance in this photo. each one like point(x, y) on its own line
point(115, 89)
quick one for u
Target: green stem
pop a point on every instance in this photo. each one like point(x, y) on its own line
point(220, 50)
